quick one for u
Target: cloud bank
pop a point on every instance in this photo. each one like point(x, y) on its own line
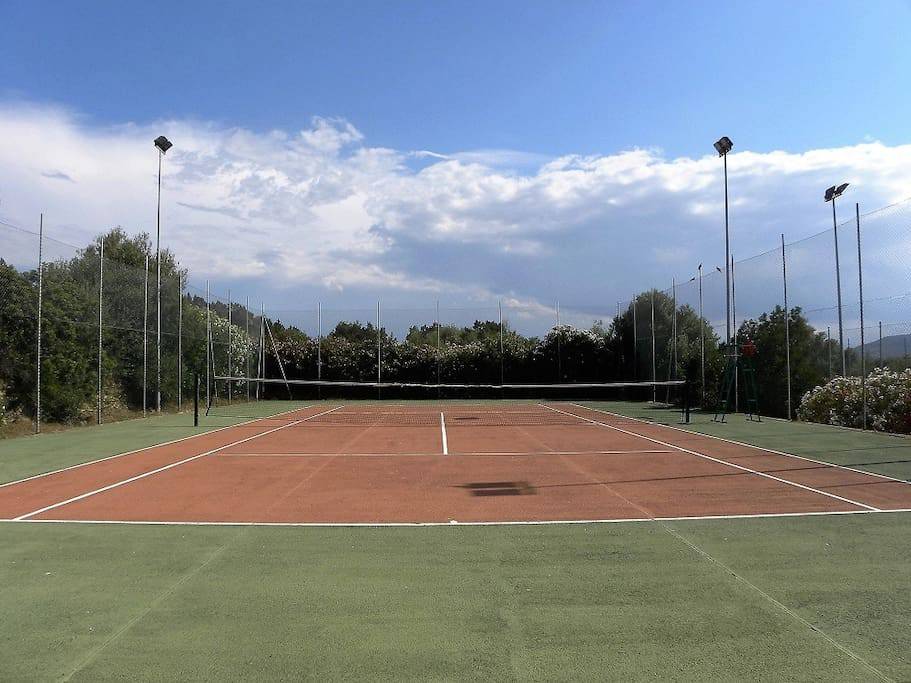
point(319, 213)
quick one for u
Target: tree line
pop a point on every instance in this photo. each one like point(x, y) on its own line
point(614, 350)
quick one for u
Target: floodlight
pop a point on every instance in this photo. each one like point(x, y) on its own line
point(724, 145)
point(163, 144)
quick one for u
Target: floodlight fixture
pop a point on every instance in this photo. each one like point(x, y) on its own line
point(724, 145)
point(163, 144)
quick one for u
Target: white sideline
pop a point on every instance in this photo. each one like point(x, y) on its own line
point(380, 525)
point(166, 467)
point(754, 446)
point(723, 462)
point(443, 433)
point(146, 448)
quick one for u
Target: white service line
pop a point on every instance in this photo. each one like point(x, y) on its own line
point(165, 467)
point(443, 434)
point(759, 448)
point(725, 462)
point(425, 454)
point(544, 522)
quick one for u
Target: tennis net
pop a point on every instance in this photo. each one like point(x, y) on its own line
point(401, 404)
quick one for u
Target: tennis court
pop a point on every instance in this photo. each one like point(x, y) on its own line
point(451, 462)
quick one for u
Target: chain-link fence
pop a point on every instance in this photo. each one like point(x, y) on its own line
point(106, 350)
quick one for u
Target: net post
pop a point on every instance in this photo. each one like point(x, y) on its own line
point(98, 417)
point(686, 401)
point(195, 399)
point(38, 336)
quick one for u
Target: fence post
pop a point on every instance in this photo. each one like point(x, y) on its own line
point(559, 345)
point(787, 324)
point(208, 345)
point(40, 305)
point(635, 341)
point(196, 399)
point(860, 287)
point(701, 341)
point(246, 345)
point(674, 286)
point(230, 369)
point(880, 343)
point(736, 349)
point(500, 316)
point(100, 311)
point(145, 340)
point(439, 349)
point(379, 352)
point(179, 343)
point(654, 363)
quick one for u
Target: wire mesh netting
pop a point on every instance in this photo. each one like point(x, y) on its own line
point(107, 350)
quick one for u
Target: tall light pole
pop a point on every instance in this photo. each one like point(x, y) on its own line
point(831, 195)
point(723, 146)
point(163, 145)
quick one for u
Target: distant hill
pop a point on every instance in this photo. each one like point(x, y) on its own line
point(894, 346)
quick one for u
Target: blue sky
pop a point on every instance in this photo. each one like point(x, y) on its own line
point(547, 77)
point(464, 151)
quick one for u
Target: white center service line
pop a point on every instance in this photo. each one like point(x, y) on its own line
point(443, 434)
point(721, 462)
point(167, 467)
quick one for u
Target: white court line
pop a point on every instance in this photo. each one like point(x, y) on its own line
point(725, 462)
point(443, 433)
point(425, 454)
point(146, 448)
point(754, 446)
point(165, 467)
point(380, 525)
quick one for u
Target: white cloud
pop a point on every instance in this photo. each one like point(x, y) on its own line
point(320, 213)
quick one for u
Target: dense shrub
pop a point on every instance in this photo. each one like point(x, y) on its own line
point(840, 401)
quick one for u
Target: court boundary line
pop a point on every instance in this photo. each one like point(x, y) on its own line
point(453, 523)
point(158, 470)
point(754, 446)
point(724, 462)
point(146, 448)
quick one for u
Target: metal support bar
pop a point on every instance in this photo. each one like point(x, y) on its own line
point(863, 352)
point(40, 308)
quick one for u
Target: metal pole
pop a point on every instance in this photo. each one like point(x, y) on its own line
point(701, 339)
point(841, 338)
point(319, 341)
point(439, 349)
point(559, 350)
point(230, 359)
point(787, 324)
point(860, 287)
point(208, 345)
point(247, 345)
point(145, 341)
point(40, 306)
point(635, 341)
point(158, 295)
point(179, 343)
point(727, 252)
point(675, 328)
point(100, 311)
point(261, 362)
point(880, 343)
point(379, 348)
point(829, 351)
point(734, 349)
point(654, 364)
point(500, 314)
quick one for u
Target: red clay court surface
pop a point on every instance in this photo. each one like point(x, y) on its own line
point(395, 464)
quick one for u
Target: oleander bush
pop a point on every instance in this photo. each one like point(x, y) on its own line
point(841, 401)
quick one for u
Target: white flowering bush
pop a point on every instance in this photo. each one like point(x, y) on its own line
point(840, 401)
